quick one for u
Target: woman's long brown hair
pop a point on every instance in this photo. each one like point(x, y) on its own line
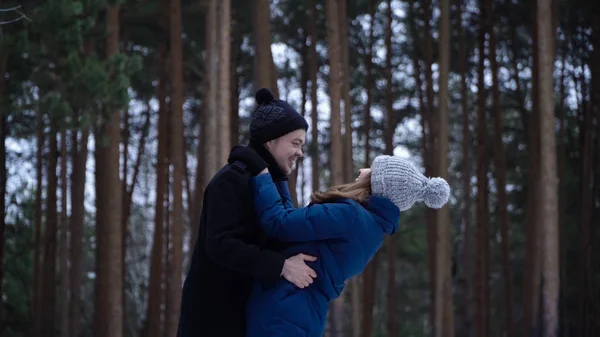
point(358, 191)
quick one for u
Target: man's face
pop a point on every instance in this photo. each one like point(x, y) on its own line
point(287, 149)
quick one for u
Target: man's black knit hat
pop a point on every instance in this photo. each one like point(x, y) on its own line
point(273, 118)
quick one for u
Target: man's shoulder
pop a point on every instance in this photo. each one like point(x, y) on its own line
point(230, 173)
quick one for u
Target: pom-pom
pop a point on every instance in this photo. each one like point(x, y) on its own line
point(264, 96)
point(436, 193)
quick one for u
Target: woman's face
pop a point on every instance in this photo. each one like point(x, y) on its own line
point(363, 173)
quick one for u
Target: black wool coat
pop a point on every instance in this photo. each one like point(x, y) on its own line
point(230, 251)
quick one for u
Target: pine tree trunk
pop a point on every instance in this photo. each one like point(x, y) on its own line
point(264, 68)
point(444, 305)
point(108, 320)
point(368, 296)
point(79, 156)
point(236, 59)
point(500, 173)
point(154, 327)
point(336, 151)
point(390, 241)
point(562, 195)
point(369, 84)
point(78, 179)
point(64, 244)
point(548, 201)
point(314, 70)
point(370, 273)
point(209, 134)
point(482, 283)
point(48, 299)
point(345, 91)
point(224, 42)
point(533, 251)
point(176, 145)
point(429, 151)
point(39, 244)
point(3, 177)
point(466, 172)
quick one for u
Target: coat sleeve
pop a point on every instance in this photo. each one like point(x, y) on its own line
point(284, 192)
point(315, 222)
point(226, 218)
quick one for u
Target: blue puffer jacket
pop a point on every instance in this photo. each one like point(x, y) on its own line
point(344, 236)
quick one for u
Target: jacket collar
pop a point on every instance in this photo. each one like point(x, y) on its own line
point(385, 213)
point(274, 168)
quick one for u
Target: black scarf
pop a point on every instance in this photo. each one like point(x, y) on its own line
point(274, 168)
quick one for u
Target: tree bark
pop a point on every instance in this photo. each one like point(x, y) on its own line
point(39, 244)
point(370, 273)
point(209, 134)
point(482, 283)
point(108, 320)
point(264, 68)
point(224, 42)
point(3, 176)
point(345, 90)
point(548, 201)
point(153, 326)
point(500, 173)
point(368, 295)
point(176, 146)
point(64, 244)
point(48, 298)
point(533, 257)
point(78, 179)
point(390, 241)
point(314, 70)
point(369, 84)
point(466, 175)
point(444, 305)
point(336, 151)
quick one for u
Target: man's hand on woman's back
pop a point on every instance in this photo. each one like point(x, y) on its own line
point(297, 272)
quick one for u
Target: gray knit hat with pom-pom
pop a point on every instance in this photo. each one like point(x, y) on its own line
point(400, 181)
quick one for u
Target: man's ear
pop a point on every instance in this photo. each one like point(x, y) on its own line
point(268, 144)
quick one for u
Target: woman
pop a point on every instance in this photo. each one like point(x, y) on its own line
point(344, 227)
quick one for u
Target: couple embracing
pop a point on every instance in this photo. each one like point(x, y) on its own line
point(262, 268)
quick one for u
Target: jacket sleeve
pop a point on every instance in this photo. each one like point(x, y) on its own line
point(226, 218)
point(284, 192)
point(315, 222)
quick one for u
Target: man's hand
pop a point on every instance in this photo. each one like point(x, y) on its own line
point(297, 272)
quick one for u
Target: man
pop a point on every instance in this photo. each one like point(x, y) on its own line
point(230, 249)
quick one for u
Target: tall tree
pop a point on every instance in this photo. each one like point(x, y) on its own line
point(48, 299)
point(314, 114)
point(336, 149)
point(64, 244)
point(3, 129)
point(482, 275)
point(108, 319)
point(444, 318)
point(345, 91)
point(466, 174)
point(209, 129)
point(153, 326)
point(533, 249)
point(390, 241)
point(37, 252)
point(224, 42)
point(265, 74)
point(500, 173)
point(176, 142)
point(548, 201)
